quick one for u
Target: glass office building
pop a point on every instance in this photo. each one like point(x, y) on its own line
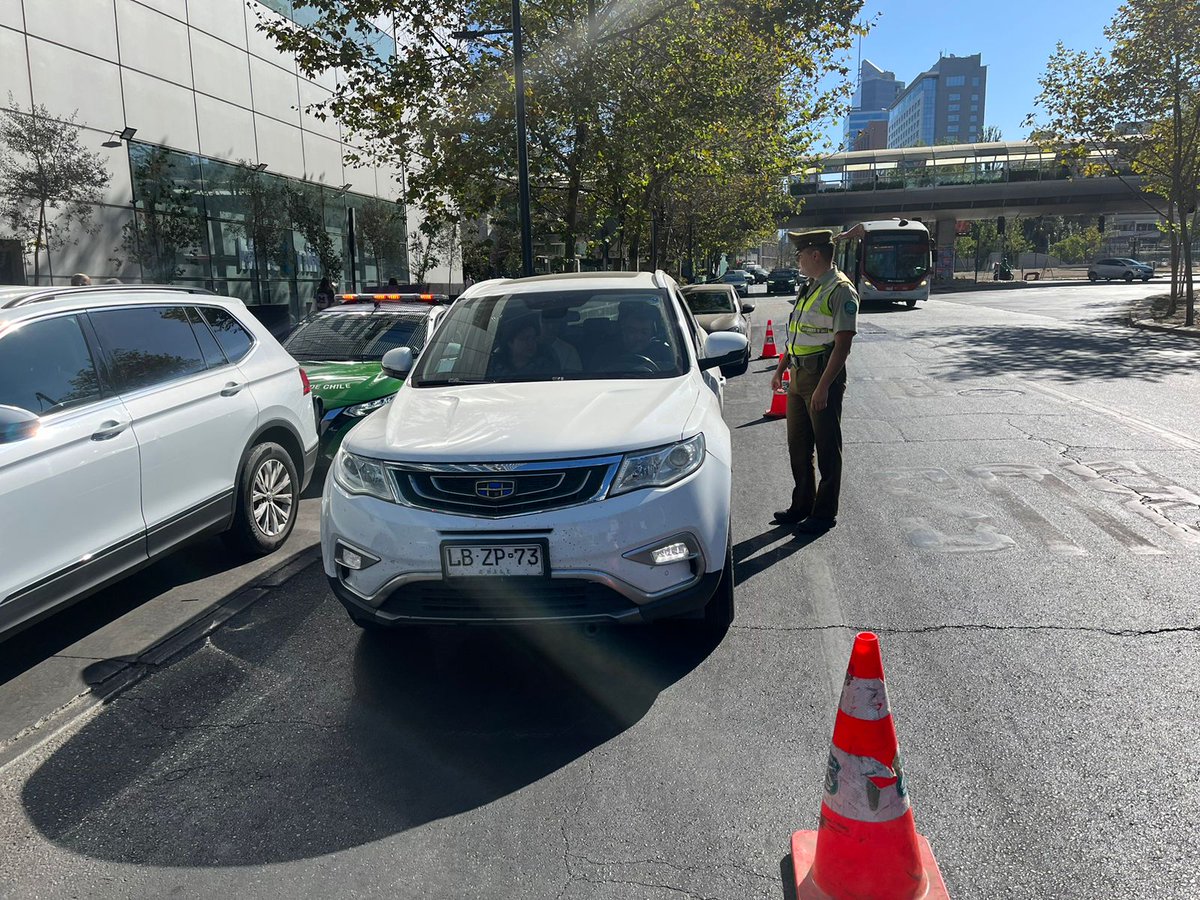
point(226, 181)
point(944, 105)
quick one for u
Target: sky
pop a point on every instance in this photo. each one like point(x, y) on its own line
point(1016, 38)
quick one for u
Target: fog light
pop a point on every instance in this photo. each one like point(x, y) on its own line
point(352, 558)
point(666, 551)
point(671, 553)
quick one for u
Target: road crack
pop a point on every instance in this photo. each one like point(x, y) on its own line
point(978, 626)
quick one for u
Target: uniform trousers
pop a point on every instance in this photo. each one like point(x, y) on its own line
point(819, 432)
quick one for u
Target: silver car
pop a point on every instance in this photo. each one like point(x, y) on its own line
point(717, 307)
point(1115, 267)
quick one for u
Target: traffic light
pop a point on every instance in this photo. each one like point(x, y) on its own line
point(1000, 225)
point(1101, 224)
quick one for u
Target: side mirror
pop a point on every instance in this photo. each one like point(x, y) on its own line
point(747, 307)
point(17, 424)
point(398, 362)
point(724, 348)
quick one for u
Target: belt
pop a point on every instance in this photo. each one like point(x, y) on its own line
point(812, 361)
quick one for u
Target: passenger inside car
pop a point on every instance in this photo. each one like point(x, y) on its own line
point(519, 352)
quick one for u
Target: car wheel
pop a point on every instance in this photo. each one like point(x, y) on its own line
point(719, 611)
point(267, 501)
point(1092, 277)
point(1129, 278)
point(912, 304)
point(1145, 278)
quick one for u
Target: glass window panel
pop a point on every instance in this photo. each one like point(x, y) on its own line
point(234, 339)
point(45, 367)
point(148, 345)
point(213, 355)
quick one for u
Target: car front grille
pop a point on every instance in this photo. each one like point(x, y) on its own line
point(467, 599)
point(503, 489)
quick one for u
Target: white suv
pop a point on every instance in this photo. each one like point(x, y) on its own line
point(131, 419)
point(557, 454)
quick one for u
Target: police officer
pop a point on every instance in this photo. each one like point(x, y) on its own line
point(820, 329)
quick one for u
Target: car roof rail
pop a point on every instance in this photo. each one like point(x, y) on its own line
point(59, 293)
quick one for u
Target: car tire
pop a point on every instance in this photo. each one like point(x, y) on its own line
point(1093, 277)
point(1129, 278)
point(257, 529)
point(1145, 278)
point(720, 609)
point(912, 304)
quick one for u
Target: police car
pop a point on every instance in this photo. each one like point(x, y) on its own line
point(341, 349)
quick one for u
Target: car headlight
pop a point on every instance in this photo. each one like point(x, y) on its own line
point(658, 468)
point(358, 475)
point(358, 410)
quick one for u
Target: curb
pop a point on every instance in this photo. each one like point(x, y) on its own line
point(1133, 321)
point(109, 678)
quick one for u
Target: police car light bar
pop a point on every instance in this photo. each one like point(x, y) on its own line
point(392, 298)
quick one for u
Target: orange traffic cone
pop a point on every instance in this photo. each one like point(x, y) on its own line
point(778, 408)
point(866, 846)
point(769, 351)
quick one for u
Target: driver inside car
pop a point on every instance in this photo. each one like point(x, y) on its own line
point(638, 325)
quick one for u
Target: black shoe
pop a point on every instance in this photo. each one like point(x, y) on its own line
point(788, 517)
point(816, 525)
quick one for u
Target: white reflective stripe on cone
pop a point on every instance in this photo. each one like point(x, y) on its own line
point(864, 698)
point(849, 791)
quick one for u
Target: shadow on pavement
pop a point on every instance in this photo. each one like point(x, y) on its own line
point(289, 736)
point(1067, 354)
point(748, 564)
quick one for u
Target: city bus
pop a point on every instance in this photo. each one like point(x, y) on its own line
point(888, 260)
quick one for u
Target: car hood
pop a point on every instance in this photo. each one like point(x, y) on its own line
point(781, 277)
point(342, 383)
point(545, 420)
point(711, 322)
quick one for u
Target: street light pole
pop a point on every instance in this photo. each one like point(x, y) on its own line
point(522, 149)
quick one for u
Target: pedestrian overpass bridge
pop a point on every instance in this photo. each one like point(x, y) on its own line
point(957, 182)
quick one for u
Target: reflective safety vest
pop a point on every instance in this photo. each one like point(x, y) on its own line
point(810, 327)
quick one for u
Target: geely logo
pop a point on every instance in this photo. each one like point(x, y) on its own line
point(495, 490)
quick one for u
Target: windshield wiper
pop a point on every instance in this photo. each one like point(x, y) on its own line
point(444, 382)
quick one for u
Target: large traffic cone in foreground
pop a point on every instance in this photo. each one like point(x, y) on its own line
point(866, 846)
point(770, 351)
point(778, 407)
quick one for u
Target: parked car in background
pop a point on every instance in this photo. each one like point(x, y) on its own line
point(133, 419)
point(758, 272)
point(739, 279)
point(717, 307)
point(1114, 267)
point(342, 350)
point(784, 281)
point(535, 492)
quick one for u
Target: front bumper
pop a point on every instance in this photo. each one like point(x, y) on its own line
point(590, 578)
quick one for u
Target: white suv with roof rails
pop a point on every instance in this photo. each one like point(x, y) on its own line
point(131, 419)
point(556, 454)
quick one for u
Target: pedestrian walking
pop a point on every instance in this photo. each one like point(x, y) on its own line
point(820, 330)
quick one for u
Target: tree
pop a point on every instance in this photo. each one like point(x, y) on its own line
point(991, 134)
point(48, 181)
point(306, 208)
point(1079, 247)
point(1136, 111)
point(382, 231)
point(166, 223)
point(265, 224)
point(636, 111)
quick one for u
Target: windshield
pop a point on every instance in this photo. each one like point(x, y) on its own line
point(785, 271)
point(703, 303)
point(554, 336)
point(355, 337)
point(900, 258)
point(733, 277)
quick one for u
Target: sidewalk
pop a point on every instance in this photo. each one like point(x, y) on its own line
point(1150, 313)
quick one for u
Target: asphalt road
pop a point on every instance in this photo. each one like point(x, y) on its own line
point(1020, 524)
